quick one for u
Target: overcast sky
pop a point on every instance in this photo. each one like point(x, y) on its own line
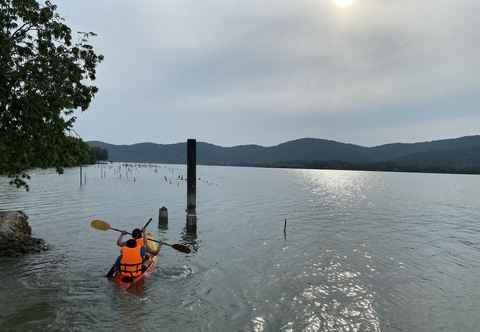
point(239, 72)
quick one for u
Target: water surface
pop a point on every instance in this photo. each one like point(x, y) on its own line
point(364, 251)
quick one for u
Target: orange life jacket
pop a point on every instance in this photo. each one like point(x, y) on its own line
point(140, 242)
point(131, 261)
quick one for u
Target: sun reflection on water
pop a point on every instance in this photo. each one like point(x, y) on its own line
point(336, 182)
point(329, 293)
point(340, 302)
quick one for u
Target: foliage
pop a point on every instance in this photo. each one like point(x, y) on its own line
point(97, 153)
point(44, 78)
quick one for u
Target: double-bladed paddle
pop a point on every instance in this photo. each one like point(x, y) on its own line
point(105, 226)
point(148, 223)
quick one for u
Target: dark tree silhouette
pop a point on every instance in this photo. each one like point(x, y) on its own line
point(44, 77)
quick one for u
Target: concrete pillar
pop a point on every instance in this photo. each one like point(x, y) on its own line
point(191, 185)
point(163, 217)
point(191, 176)
point(191, 223)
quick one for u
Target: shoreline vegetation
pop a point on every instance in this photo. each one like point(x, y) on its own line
point(378, 167)
point(80, 153)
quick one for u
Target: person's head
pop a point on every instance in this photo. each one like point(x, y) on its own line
point(131, 243)
point(137, 233)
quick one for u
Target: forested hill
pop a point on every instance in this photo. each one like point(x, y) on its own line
point(458, 153)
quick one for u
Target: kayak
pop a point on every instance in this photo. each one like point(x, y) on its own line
point(126, 282)
point(150, 263)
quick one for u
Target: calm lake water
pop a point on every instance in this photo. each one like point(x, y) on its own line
point(364, 251)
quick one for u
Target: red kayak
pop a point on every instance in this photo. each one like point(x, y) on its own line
point(128, 282)
point(150, 263)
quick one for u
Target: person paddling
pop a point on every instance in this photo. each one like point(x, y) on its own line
point(132, 255)
point(130, 262)
point(137, 235)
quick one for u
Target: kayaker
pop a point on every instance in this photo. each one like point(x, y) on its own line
point(137, 235)
point(130, 250)
point(130, 262)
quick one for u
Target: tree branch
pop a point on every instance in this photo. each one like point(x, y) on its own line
point(12, 37)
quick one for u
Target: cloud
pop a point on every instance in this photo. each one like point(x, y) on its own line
point(299, 58)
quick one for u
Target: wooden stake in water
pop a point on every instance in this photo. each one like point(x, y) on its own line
point(81, 178)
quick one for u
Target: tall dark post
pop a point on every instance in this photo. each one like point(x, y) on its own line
point(191, 185)
point(81, 179)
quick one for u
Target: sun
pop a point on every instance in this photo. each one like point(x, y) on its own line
point(343, 3)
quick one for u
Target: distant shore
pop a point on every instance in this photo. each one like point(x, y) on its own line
point(378, 167)
point(340, 166)
point(451, 156)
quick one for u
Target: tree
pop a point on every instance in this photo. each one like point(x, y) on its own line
point(98, 153)
point(44, 78)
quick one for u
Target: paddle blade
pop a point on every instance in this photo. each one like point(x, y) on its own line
point(182, 248)
point(100, 225)
point(110, 273)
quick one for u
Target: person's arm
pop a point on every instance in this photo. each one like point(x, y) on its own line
point(121, 243)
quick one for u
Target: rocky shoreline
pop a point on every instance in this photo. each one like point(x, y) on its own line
point(16, 235)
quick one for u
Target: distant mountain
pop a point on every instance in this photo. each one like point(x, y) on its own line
point(422, 150)
point(306, 149)
point(458, 153)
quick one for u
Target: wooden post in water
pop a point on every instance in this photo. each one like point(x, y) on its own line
point(81, 178)
point(191, 185)
point(163, 217)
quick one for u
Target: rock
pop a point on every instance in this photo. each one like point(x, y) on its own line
point(16, 235)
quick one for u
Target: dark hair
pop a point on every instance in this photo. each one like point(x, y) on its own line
point(131, 243)
point(137, 233)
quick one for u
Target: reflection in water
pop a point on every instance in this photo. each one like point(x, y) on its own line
point(191, 238)
point(340, 303)
point(340, 183)
point(258, 324)
point(327, 295)
point(163, 227)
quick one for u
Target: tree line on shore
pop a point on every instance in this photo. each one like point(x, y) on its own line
point(46, 76)
point(385, 166)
